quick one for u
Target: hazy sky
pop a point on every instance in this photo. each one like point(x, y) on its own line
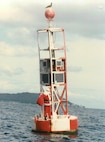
point(84, 24)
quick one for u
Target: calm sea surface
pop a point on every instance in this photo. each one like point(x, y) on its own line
point(16, 122)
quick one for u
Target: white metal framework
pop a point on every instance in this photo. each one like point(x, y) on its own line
point(53, 73)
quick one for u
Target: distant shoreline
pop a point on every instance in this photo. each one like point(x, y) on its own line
point(24, 97)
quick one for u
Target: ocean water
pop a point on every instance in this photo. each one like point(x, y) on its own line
point(16, 122)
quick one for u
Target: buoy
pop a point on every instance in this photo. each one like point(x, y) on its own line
point(53, 96)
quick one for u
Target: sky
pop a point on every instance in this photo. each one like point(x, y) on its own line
point(84, 24)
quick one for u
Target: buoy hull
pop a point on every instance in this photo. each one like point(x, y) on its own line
point(62, 123)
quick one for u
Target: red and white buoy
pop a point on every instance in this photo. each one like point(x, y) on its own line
point(53, 97)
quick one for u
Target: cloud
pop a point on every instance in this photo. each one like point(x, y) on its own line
point(19, 35)
point(87, 57)
point(18, 23)
point(19, 74)
point(74, 68)
point(5, 86)
point(84, 20)
point(20, 13)
point(7, 49)
point(8, 71)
